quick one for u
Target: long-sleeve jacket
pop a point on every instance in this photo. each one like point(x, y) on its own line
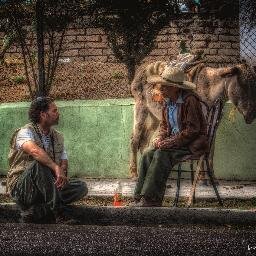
point(192, 125)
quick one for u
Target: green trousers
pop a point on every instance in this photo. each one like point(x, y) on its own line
point(35, 188)
point(154, 169)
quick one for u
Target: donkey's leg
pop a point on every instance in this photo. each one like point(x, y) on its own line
point(151, 125)
point(202, 176)
point(140, 115)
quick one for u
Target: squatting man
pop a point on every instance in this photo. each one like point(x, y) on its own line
point(37, 178)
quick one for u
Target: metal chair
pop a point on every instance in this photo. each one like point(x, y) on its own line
point(212, 116)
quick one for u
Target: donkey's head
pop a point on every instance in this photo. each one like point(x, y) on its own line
point(241, 89)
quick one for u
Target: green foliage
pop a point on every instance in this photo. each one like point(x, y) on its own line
point(183, 47)
point(32, 24)
point(18, 79)
point(117, 75)
point(232, 114)
point(6, 41)
point(132, 26)
point(248, 13)
point(34, 56)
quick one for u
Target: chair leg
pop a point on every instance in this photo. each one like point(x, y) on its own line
point(209, 171)
point(192, 171)
point(192, 178)
point(178, 187)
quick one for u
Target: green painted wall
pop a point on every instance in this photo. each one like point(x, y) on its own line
point(235, 156)
point(97, 135)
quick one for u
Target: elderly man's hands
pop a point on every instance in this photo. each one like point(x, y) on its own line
point(61, 178)
point(164, 143)
point(156, 142)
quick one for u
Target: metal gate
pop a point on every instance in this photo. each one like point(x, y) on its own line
point(247, 35)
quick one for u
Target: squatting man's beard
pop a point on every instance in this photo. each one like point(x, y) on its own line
point(52, 121)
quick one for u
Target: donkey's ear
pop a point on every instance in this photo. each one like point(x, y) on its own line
point(229, 71)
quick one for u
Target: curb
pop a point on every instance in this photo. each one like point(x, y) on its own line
point(165, 216)
point(108, 215)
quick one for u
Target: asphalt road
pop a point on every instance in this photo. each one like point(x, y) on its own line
point(27, 239)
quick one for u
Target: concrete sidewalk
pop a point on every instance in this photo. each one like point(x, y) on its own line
point(227, 189)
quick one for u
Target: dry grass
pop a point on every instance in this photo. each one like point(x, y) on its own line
point(74, 80)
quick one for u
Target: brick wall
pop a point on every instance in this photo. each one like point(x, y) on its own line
point(217, 38)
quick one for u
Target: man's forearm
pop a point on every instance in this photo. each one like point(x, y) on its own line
point(41, 156)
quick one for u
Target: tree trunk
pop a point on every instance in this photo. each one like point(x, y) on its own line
point(40, 46)
point(131, 69)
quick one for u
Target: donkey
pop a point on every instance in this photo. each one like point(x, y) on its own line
point(237, 84)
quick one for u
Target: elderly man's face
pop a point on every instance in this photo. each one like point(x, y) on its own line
point(51, 116)
point(166, 90)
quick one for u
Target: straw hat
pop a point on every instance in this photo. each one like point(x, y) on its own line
point(161, 73)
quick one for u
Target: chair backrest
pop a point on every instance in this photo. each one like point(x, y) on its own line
point(213, 116)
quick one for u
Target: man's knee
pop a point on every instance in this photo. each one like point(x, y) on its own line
point(160, 155)
point(148, 153)
point(82, 189)
point(40, 169)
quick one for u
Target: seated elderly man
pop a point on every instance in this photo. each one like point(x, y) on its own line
point(37, 178)
point(182, 132)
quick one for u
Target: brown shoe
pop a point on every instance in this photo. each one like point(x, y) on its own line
point(30, 216)
point(27, 216)
point(133, 203)
point(147, 203)
point(66, 216)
